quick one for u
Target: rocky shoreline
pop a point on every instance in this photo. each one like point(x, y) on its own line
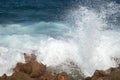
point(33, 70)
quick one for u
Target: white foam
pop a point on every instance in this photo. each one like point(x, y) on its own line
point(89, 46)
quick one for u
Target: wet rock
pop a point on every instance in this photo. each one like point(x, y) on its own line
point(37, 69)
point(62, 76)
point(21, 67)
point(31, 67)
point(33, 70)
point(47, 76)
point(98, 74)
point(109, 74)
point(4, 77)
point(29, 58)
point(20, 76)
point(88, 78)
point(115, 75)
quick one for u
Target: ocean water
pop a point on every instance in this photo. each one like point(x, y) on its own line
point(84, 32)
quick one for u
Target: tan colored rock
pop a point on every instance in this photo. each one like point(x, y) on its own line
point(4, 77)
point(33, 57)
point(20, 76)
point(62, 76)
point(115, 75)
point(31, 67)
point(47, 76)
point(33, 70)
point(103, 78)
point(110, 74)
point(37, 69)
point(27, 58)
point(100, 73)
point(21, 67)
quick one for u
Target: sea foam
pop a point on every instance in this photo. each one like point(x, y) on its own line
point(89, 43)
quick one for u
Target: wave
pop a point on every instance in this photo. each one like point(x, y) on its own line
point(85, 40)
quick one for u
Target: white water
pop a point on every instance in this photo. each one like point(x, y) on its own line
point(89, 45)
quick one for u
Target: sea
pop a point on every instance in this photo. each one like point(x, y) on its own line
point(85, 33)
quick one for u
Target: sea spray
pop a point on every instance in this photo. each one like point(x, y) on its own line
point(92, 41)
point(89, 43)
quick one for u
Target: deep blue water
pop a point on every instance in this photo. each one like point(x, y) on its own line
point(12, 11)
point(32, 10)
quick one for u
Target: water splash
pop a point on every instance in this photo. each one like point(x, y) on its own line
point(89, 43)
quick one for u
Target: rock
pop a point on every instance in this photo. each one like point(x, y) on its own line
point(4, 77)
point(100, 73)
point(21, 67)
point(16, 76)
point(88, 78)
point(115, 75)
point(33, 57)
point(20, 76)
point(37, 69)
point(109, 74)
point(62, 76)
point(47, 76)
point(103, 78)
point(31, 67)
point(27, 58)
point(33, 70)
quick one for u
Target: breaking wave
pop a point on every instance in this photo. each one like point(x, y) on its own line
point(88, 39)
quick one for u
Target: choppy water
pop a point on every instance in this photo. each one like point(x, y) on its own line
point(80, 31)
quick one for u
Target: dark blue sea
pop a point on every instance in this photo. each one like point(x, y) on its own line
point(85, 32)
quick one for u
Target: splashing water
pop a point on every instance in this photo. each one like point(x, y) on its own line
point(89, 42)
